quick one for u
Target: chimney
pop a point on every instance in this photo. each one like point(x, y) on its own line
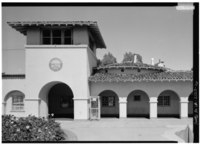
point(161, 63)
point(135, 58)
point(152, 61)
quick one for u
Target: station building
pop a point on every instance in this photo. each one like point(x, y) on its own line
point(61, 75)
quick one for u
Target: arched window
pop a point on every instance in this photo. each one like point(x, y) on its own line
point(17, 101)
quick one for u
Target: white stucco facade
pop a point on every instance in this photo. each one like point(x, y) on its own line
point(61, 67)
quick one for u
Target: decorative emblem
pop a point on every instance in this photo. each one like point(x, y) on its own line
point(55, 64)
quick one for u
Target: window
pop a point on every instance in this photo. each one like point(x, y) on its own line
point(68, 36)
point(108, 101)
point(137, 98)
point(57, 37)
point(17, 102)
point(164, 101)
point(46, 37)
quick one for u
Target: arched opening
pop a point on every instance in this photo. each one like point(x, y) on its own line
point(190, 105)
point(56, 98)
point(109, 104)
point(168, 104)
point(14, 102)
point(60, 101)
point(138, 104)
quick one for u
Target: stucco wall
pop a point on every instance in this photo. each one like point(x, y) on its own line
point(174, 107)
point(33, 36)
point(129, 71)
point(39, 75)
point(9, 85)
point(80, 36)
point(152, 89)
point(92, 61)
point(106, 110)
point(137, 107)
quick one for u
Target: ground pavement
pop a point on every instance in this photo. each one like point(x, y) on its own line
point(129, 129)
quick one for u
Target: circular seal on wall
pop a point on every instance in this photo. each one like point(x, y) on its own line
point(55, 64)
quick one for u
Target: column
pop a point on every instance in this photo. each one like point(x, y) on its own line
point(153, 107)
point(184, 107)
point(122, 107)
point(31, 107)
point(3, 108)
point(81, 109)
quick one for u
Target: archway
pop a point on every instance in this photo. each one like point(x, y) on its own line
point(168, 104)
point(190, 105)
point(56, 98)
point(60, 101)
point(109, 104)
point(138, 104)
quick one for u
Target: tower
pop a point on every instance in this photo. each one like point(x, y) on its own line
point(59, 59)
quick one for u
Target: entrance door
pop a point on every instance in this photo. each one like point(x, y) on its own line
point(61, 101)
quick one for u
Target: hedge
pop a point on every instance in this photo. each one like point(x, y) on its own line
point(30, 128)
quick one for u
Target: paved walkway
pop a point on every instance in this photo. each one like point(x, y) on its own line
point(130, 129)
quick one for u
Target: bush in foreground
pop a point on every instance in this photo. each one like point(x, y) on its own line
point(30, 128)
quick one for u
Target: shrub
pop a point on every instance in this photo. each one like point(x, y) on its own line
point(30, 128)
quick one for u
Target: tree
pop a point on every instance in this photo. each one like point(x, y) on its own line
point(98, 62)
point(129, 56)
point(108, 59)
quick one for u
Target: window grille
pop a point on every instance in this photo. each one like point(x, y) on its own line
point(108, 101)
point(18, 103)
point(57, 36)
point(164, 101)
point(137, 98)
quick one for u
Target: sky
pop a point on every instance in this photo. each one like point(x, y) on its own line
point(153, 32)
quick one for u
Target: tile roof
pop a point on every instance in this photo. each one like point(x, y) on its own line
point(157, 76)
point(22, 27)
point(129, 65)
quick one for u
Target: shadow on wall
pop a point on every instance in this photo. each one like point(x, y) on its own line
point(186, 134)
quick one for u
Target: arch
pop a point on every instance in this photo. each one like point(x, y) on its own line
point(56, 98)
point(190, 105)
point(109, 103)
point(13, 101)
point(138, 104)
point(168, 104)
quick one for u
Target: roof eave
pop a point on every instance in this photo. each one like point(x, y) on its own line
point(22, 27)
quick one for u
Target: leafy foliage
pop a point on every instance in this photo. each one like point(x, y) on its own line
point(129, 56)
point(98, 62)
point(108, 59)
point(30, 128)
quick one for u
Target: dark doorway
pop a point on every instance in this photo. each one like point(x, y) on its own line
point(61, 103)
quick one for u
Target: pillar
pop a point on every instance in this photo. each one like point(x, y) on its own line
point(4, 108)
point(183, 107)
point(122, 107)
point(81, 109)
point(31, 107)
point(153, 107)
